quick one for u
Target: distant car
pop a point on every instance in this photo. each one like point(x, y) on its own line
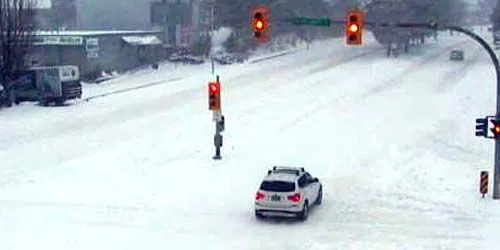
point(185, 57)
point(457, 55)
point(194, 59)
point(229, 58)
point(287, 191)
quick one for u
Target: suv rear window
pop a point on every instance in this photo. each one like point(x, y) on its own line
point(277, 186)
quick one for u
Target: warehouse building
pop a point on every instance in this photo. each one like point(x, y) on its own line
point(96, 51)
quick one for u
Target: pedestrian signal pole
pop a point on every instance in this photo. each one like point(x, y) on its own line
point(214, 104)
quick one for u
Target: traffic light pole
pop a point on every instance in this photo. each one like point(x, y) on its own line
point(433, 26)
point(219, 127)
point(212, 30)
point(494, 59)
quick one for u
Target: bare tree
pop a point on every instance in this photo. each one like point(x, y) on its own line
point(17, 23)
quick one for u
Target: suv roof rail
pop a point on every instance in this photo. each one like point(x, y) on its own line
point(295, 170)
point(288, 168)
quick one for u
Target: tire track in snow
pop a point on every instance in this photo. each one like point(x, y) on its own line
point(125, 90)
point(386, 85)
point(303, 87)
point(160, 104)
point(453, 77)
point(248, 82)
point(401, 77)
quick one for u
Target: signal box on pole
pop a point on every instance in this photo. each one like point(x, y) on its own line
point(214, 102)
point(354, 27)
point(260, 23)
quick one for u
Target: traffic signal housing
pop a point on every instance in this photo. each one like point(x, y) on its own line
point(354, 27)
point(482, 127)
point(214, 102)
point(260, 23)
point(496, 128)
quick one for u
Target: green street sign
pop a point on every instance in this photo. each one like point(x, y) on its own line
point(310, 21)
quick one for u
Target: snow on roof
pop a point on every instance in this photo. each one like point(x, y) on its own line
point(142, 40)
point(43, 4)
point(91, 32)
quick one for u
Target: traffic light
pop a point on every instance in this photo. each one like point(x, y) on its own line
point(214, 96)
point(482, 127)
point(496, 128)
point(354, 27)
point(260, 23)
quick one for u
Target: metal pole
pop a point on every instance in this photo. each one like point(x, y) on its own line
point(212, 17)
point(218, 130)
point(496, 64)
point(494, 59)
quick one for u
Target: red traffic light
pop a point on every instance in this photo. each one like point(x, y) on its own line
point(213, 88)
point(354, 27)
point(260, 23)
point(496, 128)
point(214, 102)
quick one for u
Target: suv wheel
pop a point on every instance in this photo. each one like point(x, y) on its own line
point(259, 216)
point(305, 211)
point(60, 102)
point(320, 196)
point(44, 102)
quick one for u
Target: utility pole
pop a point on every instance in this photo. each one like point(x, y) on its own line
point(214, 104)
point(212, 20)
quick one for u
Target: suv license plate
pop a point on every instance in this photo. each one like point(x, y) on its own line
point(275, 198)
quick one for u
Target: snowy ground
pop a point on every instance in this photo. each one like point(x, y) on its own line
point(392, 140)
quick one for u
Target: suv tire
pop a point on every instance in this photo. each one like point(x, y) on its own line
point(305, 212)
point(320, 196)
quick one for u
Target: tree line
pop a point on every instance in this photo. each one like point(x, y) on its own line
point(236, 14)
point(17, 21)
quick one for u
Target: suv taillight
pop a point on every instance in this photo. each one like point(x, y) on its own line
point(259, 196)
point(294, 198)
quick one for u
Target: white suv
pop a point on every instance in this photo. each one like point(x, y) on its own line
point(287, 191)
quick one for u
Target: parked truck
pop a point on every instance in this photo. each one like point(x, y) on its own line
point(52, 84)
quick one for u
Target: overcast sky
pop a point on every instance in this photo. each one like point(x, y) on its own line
point(118, 14)
point(108, 14)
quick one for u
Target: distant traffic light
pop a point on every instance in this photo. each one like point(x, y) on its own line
point(354, 27)
point(496, 128)
point(482, 127)
point(214, 102)
point(260, 23)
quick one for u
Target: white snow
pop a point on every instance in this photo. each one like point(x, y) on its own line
point(392, 141)
point(142, 40)
point(42, 4)
point(92, 32)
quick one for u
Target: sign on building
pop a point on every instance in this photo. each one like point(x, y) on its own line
point(92, 47)
point(58, 40)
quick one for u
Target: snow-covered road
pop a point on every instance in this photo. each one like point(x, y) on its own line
point(391, 140)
